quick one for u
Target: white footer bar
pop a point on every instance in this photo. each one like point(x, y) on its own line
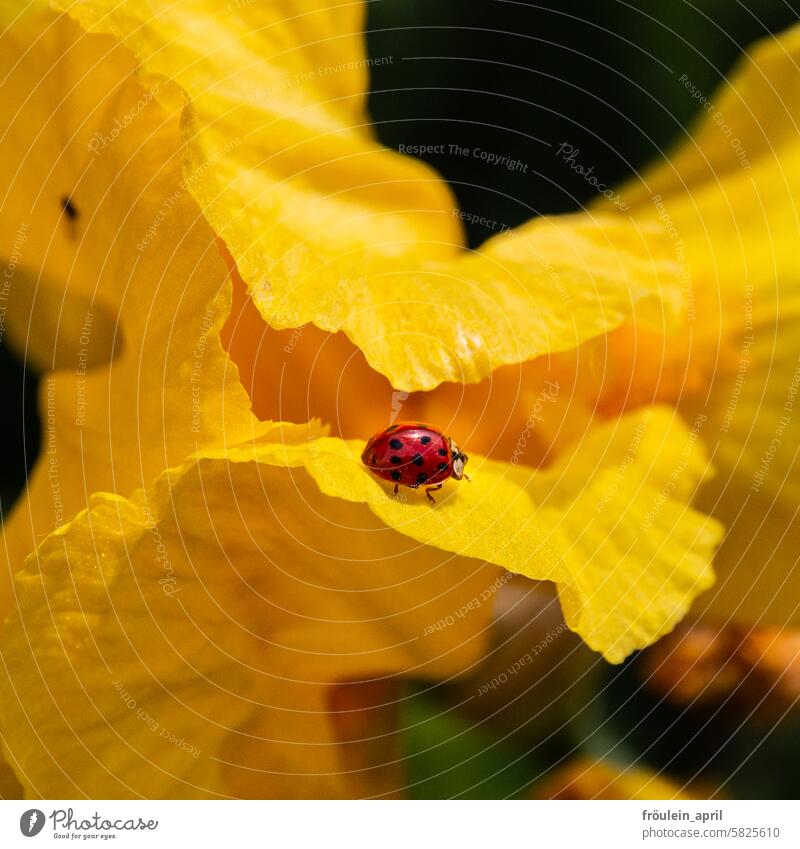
point(403, 824)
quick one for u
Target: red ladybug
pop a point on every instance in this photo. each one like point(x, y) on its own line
point(414, 454)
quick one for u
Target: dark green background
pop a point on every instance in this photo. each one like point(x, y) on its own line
point(601, 75)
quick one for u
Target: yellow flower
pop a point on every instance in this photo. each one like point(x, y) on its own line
point(754, 672)
point(727, 197)
point(185, 185)
point(585, 778)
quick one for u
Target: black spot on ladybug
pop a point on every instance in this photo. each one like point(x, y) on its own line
point(442, 452)
point(395, 443)
point(442, 466)
point(422, 477)
point(417, 460)
point(373, 459)
point(425, 440)
point(395, 459)
point(396, 475)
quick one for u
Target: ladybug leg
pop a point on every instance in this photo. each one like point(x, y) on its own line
point(431, 489)
point(466, 477)
point(396, 487)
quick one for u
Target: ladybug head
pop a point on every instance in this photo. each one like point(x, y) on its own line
point(459, 461)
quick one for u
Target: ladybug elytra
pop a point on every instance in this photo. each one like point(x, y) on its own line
point(414, 454)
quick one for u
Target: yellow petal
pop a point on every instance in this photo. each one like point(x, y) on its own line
point(183, 642)
point(744, 134)
point(187, 394)
point(138, 266)
point(166, 631)
point(624, 575)
point(753, 429)
point(545, 287)
point(10, 788)
point(328, 227)
point(55, 197)
point(608, 522)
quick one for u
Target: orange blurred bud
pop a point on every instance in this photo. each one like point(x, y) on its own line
point(755, 672)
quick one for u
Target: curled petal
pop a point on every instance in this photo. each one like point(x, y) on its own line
point(184, 642)
point(608, 523)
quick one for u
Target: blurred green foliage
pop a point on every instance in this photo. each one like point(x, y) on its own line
point(448, 756)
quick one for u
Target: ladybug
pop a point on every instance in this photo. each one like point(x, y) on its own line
point(414, 454)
